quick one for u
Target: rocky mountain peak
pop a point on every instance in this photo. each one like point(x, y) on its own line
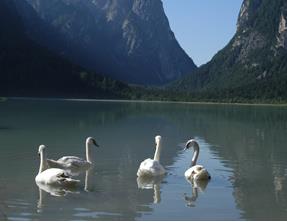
point(132, 35)
point(246, 15)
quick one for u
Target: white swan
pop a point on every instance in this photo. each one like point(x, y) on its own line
point(74, 163)
point(52, 176)
point(195, 172)
point(152, 167)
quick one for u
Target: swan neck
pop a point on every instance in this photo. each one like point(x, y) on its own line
point(157, 151)
point(195, 154)
point(43, 162)
point(88, 152)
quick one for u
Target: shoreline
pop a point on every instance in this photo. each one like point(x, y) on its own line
point(3, 99)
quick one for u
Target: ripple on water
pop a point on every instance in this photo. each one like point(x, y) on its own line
point(19, 208)
point(18, 218)
point(86, 213)
point(17, 203)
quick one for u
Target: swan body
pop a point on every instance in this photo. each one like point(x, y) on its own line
point(74, 162)
point(152, 167)
point(67, 162)
point(195, 172)
point(52, 176)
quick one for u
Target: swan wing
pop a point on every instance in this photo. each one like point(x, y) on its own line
point(66, 181)
point(55, 164)
point(197, 172)
point(65, 159)
point(202, 175)
point(73, 162)
point(60, 177)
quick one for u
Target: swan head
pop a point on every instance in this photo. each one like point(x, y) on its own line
point(157, 139)
point(41, 149)
point(190, 143)
point(91, 141)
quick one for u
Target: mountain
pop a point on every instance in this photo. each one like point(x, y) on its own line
point(129, 40)
point(28, 69)
point(253, 65)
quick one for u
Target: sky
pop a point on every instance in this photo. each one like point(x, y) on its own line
point(202, 27)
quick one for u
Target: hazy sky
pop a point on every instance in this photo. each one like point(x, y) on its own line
point(202, 27)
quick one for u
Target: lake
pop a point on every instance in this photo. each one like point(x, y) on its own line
point(243, 148)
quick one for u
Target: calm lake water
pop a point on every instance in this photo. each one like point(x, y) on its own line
point(243, 148)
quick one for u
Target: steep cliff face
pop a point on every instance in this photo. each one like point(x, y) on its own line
point(282, 31)
point(129, 40)
point(27, 69)
point(254, 62)
point(261, 24)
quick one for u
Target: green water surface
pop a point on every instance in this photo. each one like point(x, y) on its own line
point(242, 147)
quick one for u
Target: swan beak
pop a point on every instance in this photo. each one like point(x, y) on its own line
point(186, 147)
point(95, 143)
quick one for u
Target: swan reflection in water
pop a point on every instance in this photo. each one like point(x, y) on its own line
point(58, 191)
point(3, 215)
point(89, 180)
point(55, 191)
point(197, 186)
point(151, 183)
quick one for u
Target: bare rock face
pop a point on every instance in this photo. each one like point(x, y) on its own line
point(253, 41)
point(282, 32)
point(247, 38)
point(262, 23)
point(129, 40)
